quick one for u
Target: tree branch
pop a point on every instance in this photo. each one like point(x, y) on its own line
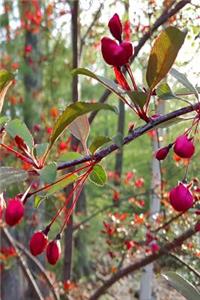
point(99, 155)
point(39, 266)
point(160, 21)
point(96, 16)
point(143, 262)
point(23, 264)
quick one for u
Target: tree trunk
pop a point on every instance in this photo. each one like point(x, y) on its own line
point(146, 286)
point(68, 233)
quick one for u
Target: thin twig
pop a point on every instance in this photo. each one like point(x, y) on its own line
point(23, 264)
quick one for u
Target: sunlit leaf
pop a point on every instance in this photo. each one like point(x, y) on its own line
point(5, 82)
point(184, 81)
point(40, 149)
point(107, 83)
point(38, 200)
point(138, 98)
point(17, 127)
point(98, 175)
point(183, 286)
point(80, 128)
point(10, 175)
point(48, 173)
point(61, 184)
point(164, 92)
point(98, 142)
point(72, 112)
point(163, 54)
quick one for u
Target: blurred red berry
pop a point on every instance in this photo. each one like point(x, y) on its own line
point(184, 147)
point(53, 252)
point(14, 211)
point(181, 198)
point(38, 243)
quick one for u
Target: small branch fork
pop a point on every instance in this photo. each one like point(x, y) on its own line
point(98, 156)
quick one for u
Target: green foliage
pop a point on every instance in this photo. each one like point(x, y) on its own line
point(17, 128)
point(98, 175)
point(72, 112)
point(139, 98)
point(9, 175)
point(163, 54)
point(182, 286)
point(48, 173)
point(98, 142)
point(107, 83)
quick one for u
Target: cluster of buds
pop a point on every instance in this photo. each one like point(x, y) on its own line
point(183, 147)
point(116, 53)
point(39, 243)
point(180, 196)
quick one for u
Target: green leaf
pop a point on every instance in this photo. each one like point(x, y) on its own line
point(138, 98)
point(80, 128)
point(184, 81)
point(163, 54)
point(98, 175)
point(17, 127)
point(61, 184)
point(5, 82)
point(164, 92)
point(171, 122)
point(107, 83)
point(10, 175)
point(48, 173)
point(72, 112)
point(40, 149)
point(38, 200)
point(3, 121)
point(118, 139)
point(69, 156)
point(182, 286)
point(98, 142)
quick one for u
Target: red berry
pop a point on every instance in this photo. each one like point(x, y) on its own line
point(115, 27)
point(53, 252)
point(161, 153)
point(154, 247)
point(181, 198)
point(14, 211)
point(38, 243)
point(114, 54)
point(184, 146)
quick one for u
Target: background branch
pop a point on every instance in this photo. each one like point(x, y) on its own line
point(143, 262)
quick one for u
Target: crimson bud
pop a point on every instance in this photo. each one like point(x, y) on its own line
point(115, 27)
point(161, 153)
point(38, 243)
point(14, 211)
point(53, 252)
point(181, 198)
point(184, 146)
point(114, 54)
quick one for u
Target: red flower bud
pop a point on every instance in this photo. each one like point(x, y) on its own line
point(38, 243)
point(14, 211)
point(114, 54)
point(161, 153)
point(115, 27)
point(184, 147)
point(181, 198)
point(53, 252)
